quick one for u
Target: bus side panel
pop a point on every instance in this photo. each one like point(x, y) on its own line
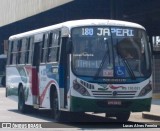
point(48, 76)
point(15, 77)
point(12, 80)
point(34, 78)
point(29, 85)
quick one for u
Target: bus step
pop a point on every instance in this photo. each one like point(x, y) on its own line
point(63, 109)
point(36, 106)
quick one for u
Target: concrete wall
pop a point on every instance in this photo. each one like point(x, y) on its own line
point(17, 16)
point(14, 10)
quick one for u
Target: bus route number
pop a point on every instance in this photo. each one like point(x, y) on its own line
point(87, 31)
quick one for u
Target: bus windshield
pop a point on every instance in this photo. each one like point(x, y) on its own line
point(114, 52)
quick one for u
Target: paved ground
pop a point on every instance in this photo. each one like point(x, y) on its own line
point(154, 114)
point(9, 113)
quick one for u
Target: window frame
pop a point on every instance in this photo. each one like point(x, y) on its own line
point(52, 46)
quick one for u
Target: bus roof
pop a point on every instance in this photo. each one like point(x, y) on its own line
point(76, 23)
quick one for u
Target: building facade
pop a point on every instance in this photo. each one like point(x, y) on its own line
point(18, 16)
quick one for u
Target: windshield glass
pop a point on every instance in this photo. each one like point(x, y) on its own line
point(118, 52)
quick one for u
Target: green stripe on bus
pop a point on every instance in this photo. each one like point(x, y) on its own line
point(100, 105)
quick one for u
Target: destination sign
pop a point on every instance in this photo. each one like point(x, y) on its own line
point(106, 31)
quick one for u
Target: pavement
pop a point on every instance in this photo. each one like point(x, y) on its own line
point(154, 113)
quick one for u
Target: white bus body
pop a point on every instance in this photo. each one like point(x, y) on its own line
point(50, 68)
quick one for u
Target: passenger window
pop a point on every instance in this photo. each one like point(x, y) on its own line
point(23, 51)
point(44, 47)
point(53, 48)
point(14, 51)
point(28, 55)
point(10, 55)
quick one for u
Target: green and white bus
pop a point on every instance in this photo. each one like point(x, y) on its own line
point(101, 66)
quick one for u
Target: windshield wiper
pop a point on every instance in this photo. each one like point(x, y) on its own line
point(101, 65)
point(106, 55)
point(129, 68)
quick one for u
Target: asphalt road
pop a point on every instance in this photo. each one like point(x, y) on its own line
point(9, 113)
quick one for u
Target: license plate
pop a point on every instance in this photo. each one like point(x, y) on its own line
point(114, 102)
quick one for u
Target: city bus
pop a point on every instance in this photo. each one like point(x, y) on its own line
point(81, 66)
point(3, 59)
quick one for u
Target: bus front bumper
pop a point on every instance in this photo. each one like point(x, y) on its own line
point(101, 105)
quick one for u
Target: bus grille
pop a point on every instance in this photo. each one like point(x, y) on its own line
point(114, 94)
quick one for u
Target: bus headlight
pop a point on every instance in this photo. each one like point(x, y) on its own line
point(80, 89)
point(146, 90)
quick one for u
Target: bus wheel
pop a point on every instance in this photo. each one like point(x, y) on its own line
point(123, 117)
point(22, 107)
point(56, 113)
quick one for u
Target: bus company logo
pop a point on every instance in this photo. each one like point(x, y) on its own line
point(6, 125)
point(114, 93)
point(103, 89)
point(116, 87)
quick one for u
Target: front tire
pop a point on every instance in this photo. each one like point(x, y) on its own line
point(56, 113)
point(123, 117)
